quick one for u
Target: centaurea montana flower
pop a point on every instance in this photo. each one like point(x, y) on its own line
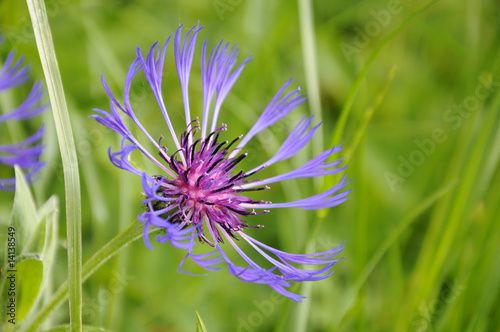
point(200, 194)
point(26, 153)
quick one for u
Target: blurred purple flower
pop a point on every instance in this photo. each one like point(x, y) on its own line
point(200, 194)
point(26, 153)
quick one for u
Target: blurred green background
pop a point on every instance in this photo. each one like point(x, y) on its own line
point(422, 142)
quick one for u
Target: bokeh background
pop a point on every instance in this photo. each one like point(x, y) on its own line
point(421, 140)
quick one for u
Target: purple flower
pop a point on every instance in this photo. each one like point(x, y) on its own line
point(201, 193)
point(26, 153)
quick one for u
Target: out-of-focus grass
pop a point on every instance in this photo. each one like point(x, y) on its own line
point(433, 270)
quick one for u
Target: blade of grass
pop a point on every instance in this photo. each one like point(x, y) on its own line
point(486, 248)
point(447, 224)
point(308, 38)
point(98, 203)
point(200, 326)
point(358, 135)
point(460, 165)
point(491, 163)
point(48, 59)
point(468, 180)
point(490, 276)
point(130, 234)
point(303, 308)
point(121, 262)
point(382, 250)
point(306, 20)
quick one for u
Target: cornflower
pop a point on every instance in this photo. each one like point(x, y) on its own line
point(200, 193)
point(26, 153)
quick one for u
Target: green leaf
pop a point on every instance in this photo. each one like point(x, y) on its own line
point(45, 45)
point(49, 215)
point(200, 327)
point(24, 218)
point(130, 234)
point(23, 257)
point(85, 328)
point(28, 280)
point(43, 243)
point(46, 236)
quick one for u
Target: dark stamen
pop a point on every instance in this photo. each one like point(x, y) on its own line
point(186, 173)
point(252, 173)
point(193, 149)
point(218, 147)
point(236, 176)
point(214, 164)
point(236, 161)
point(252, 189)
point(199, 179)
point(173, 165)
point(234, 141)
point(240, 212)
point(222, 189)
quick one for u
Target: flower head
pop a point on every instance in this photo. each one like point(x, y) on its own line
point(26, 153)
point(201, 191)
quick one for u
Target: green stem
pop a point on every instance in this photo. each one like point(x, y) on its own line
point(130, 234)
point(64, 133)
point(358, 135)
point(308, 39)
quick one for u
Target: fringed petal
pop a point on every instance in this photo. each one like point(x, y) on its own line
point(26, 153)
point(183, 62)
point(313, 168)
point(12, 74)
point(316, 202)
point(218, 77)
point(275, 111)
point(29, 108)
point(178, 236)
